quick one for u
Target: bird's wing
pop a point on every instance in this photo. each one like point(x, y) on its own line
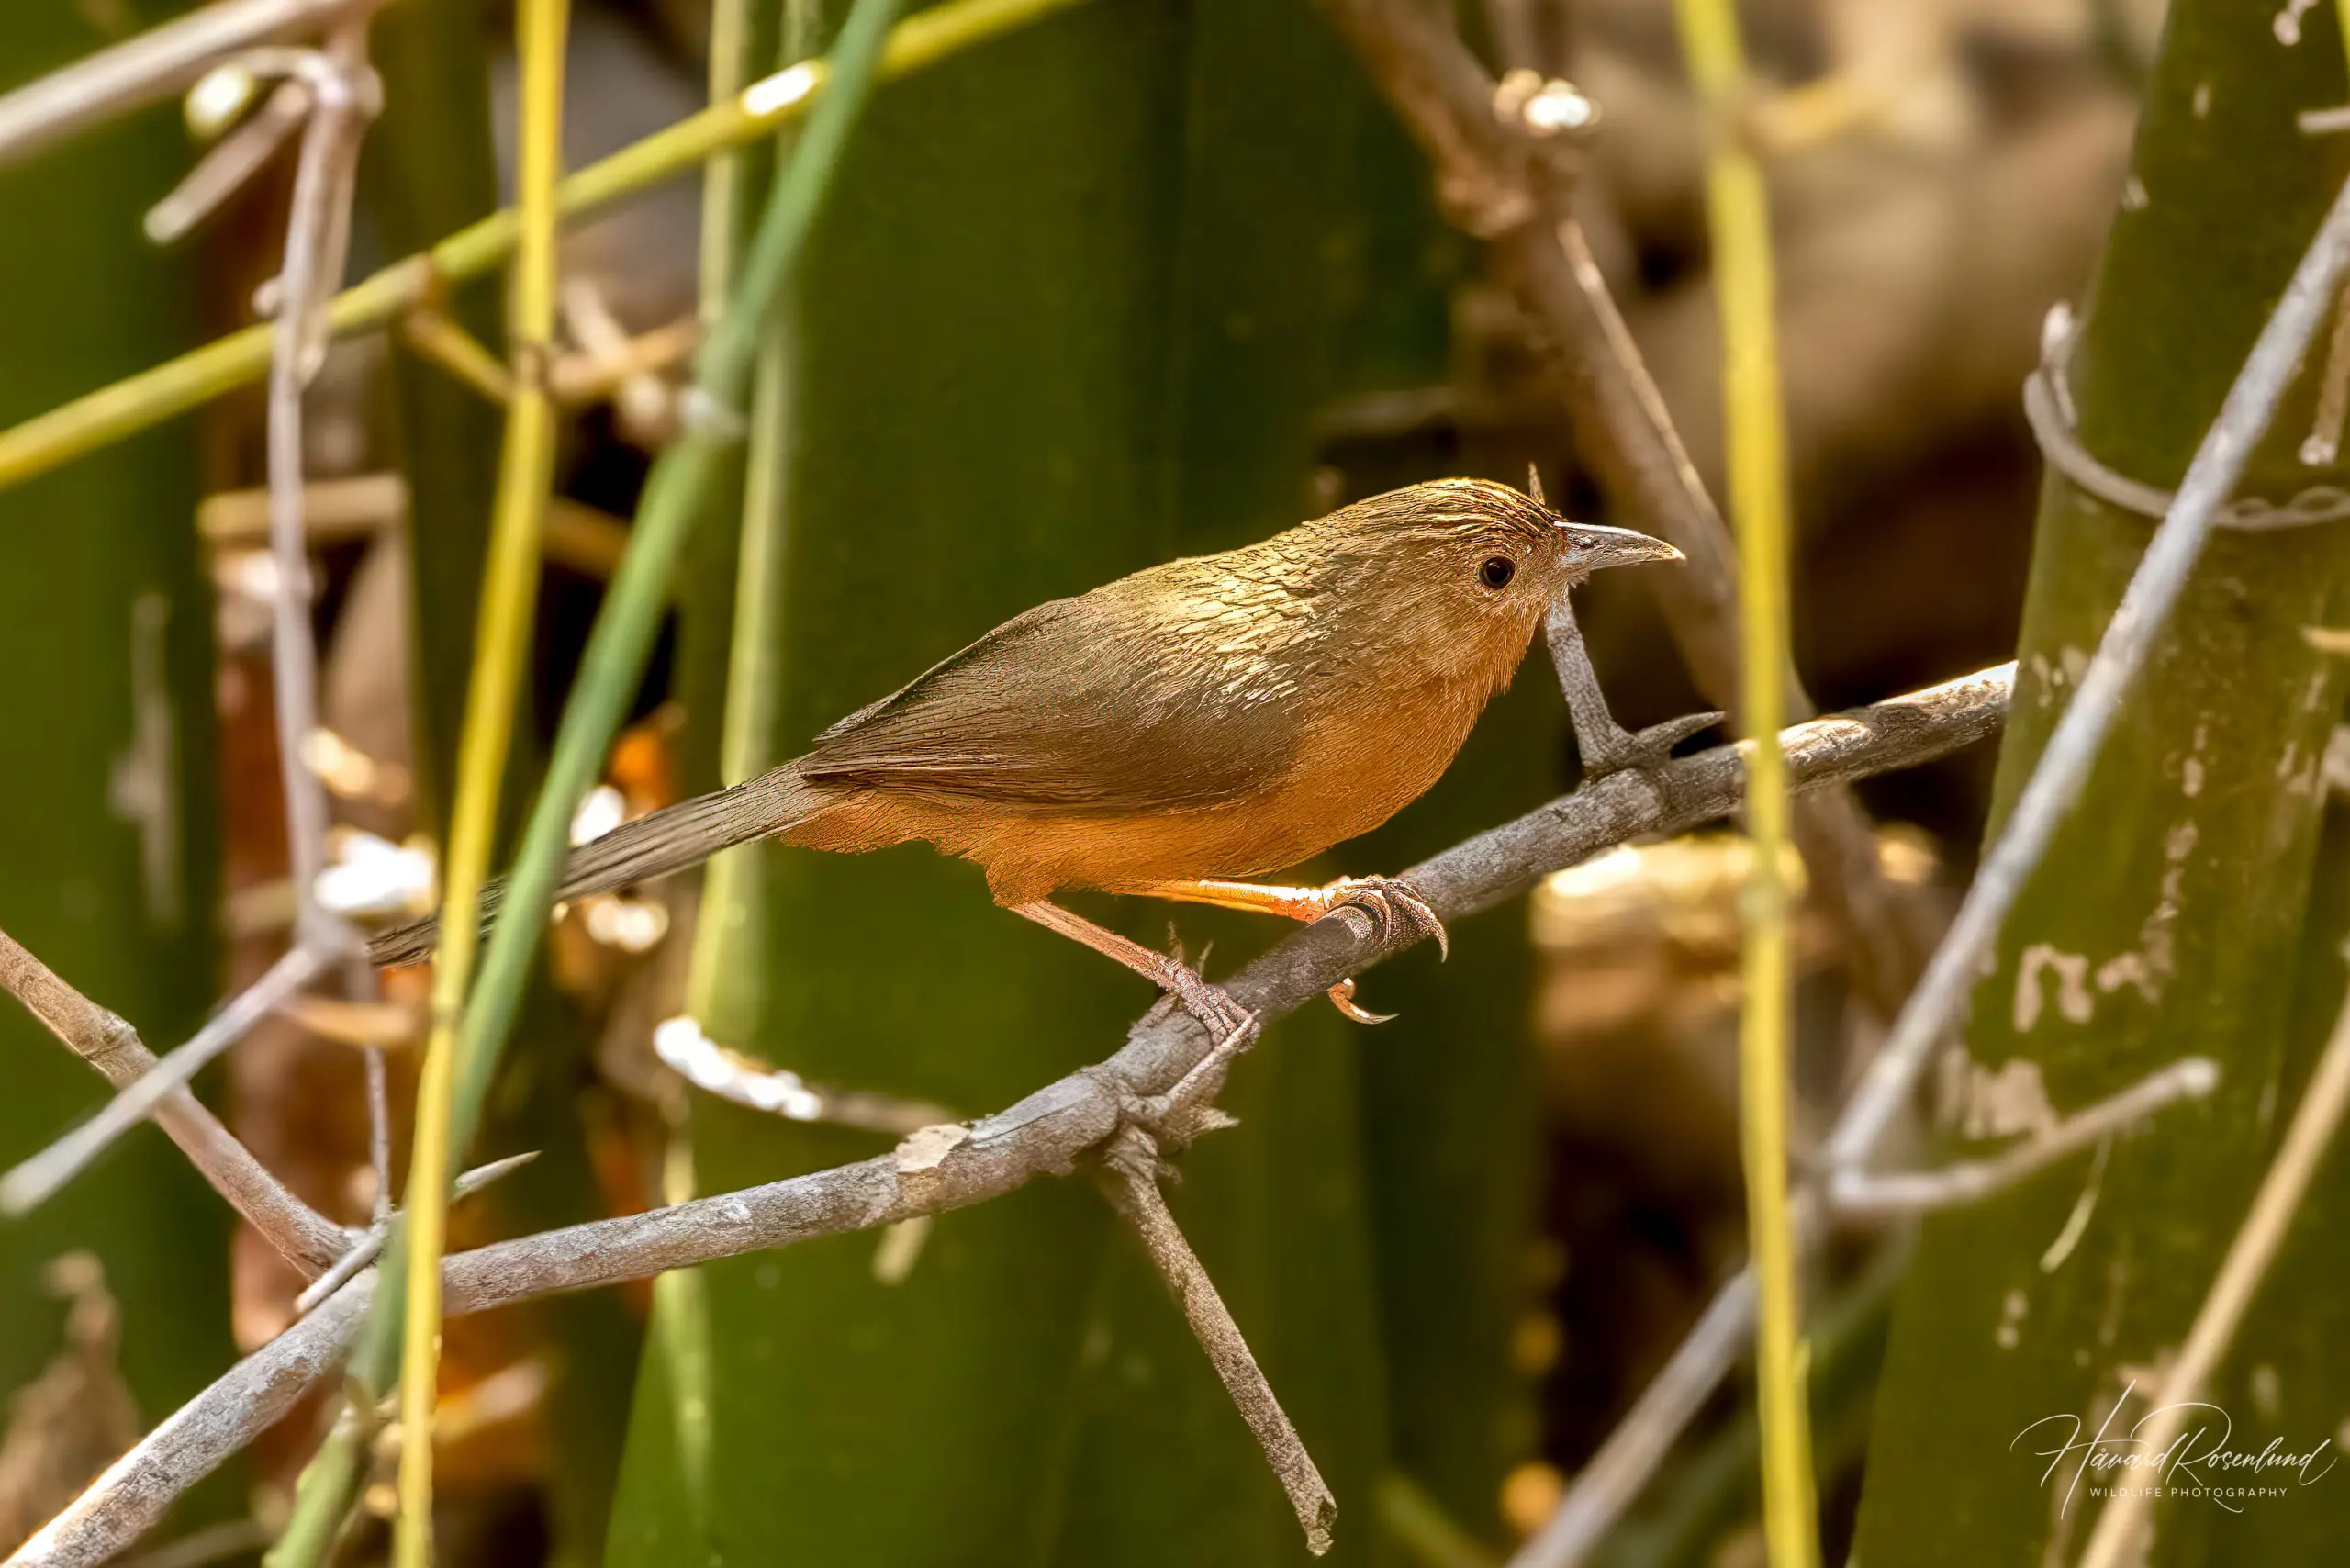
point(1096, 704)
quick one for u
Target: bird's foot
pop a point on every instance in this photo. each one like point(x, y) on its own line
point(1218, 1013)
point(1398, 915)
point(1385, 909)
point(1618, 750)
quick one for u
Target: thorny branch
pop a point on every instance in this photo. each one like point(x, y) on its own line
point(1052, 1131)
point(1505, 167)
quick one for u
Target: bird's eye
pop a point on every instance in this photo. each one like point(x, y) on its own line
point(1498, 571)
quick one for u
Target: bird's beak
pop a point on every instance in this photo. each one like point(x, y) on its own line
point(1591, 547)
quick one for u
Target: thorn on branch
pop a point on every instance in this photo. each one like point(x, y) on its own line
point(368, 1248)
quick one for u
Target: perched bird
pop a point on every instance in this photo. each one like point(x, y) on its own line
point(1178, 731)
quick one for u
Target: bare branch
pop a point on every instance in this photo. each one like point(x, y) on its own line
point(1506, 173)
point(317, 233)
point(131, 1494)
point(343, 96)
point(148, 1086)
point(1051, 1132)
point(1128, 1176)
point(155, 64)
point(236, 158)
point(307, 1239)
point(1860, 1194)
point(1608, 1486)
point(370, 1247)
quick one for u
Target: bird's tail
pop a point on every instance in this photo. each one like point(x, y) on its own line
point(671, 839)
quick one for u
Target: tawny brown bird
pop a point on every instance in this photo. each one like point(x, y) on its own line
point(1182, 730)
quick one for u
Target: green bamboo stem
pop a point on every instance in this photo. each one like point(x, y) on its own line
point(676, 494)
point(526, 471)
point(673, 497)
point(2167, 916)
point(106, 625)
point(724, 982)
point(676, 1382)
point(99, 419)
point(1755, 427)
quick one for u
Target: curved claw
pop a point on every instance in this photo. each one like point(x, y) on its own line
point(1393, 905)
point(1342, 997)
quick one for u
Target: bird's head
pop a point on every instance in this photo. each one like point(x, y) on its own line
point(1465, 555)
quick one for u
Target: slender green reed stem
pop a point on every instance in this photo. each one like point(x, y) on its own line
point(676, 494)
point(526, 471)
point(1740, 220)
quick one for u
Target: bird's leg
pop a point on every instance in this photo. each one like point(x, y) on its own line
point(1606, 746)
point(1393, 905)
point(1217, 1012)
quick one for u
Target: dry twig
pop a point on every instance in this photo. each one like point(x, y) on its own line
point(1617, 1472)
point(143, 1093)
point(307, 1239)
point(152, 66)
point(344, 95)
point(1128, 1176)
point(370, 1247)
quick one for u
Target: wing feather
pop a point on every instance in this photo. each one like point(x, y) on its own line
point(1107, 703)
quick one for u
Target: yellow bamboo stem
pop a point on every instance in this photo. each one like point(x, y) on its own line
point(111, 413)
point(1739, 217)
point(526, 472)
